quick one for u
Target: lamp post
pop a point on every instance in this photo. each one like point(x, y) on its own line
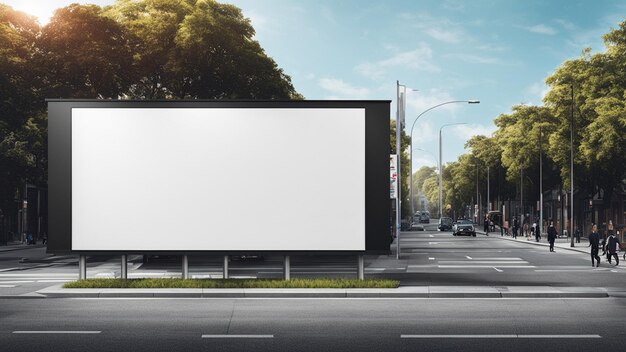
point(571, 171)
point(440, 164)
point(411, 135)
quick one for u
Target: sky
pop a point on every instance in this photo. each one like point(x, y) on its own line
point(498, 52)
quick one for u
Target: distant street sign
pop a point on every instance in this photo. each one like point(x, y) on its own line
point(393, 177)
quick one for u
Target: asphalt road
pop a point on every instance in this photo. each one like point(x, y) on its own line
point(313, 324)
point(428, 258)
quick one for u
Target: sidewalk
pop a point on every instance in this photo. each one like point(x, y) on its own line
point(14, 246)
point(560, 243)
point(401, 292)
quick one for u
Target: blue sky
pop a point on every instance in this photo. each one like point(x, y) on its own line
point(496, 51)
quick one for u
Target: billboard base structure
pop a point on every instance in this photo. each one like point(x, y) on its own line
point(82, 267)
point(124, 267)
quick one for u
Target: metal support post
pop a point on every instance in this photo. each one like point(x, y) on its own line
point(225, 267)
point(82, 267)
point(360, 267)
point(124, 267)
point(185, 267)
point(287, 268)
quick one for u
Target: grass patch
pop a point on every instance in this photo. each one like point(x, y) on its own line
point(232, 283)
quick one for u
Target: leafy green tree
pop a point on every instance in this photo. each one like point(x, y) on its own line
point(405, 141)
point(20, 134)
point(198, 49)
point(421, 175)
point(84, 54)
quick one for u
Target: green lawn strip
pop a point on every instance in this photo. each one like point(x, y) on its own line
point(232, 283)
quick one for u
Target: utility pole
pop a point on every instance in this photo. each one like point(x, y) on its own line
point(521, 196)
point(571, 170)
point(398, 170)
point(540, 183)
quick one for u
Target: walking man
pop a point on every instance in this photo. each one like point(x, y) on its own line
point(515, 227)
point(551, 235)
point(594, 243)
point(613, 247)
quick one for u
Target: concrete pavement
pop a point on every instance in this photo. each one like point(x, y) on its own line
point(401, 292)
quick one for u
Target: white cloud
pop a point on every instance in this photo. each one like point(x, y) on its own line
point(538, 90)
point(418, 59)
point(425, 99)
point(445, 35)
point(541, 29)
point(565, 24)
point(465, 132)
point(476, 59)
point(338, 89)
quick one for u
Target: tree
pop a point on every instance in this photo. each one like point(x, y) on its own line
point(20, 134)
point(599, 84)
point(405, 141)
point(84, 55)
point(198, 49)
point(421, 175)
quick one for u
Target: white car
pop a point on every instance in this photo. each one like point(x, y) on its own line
point(463, 227)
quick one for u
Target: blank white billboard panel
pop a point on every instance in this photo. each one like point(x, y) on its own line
point(218, 179)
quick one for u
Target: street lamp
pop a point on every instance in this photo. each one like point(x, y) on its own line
point(441, 162)
point(411, 135)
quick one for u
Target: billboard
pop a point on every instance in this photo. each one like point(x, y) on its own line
point(218, 176)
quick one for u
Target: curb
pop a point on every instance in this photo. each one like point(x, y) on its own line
point(401, 292)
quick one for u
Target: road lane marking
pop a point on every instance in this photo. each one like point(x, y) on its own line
point(501, 336)
point(7, 286)
point(237, 336)
point(485, 266)
point(431, 236)
point(496, 269)
point(468, 257)
point(497, 258)
point(431, 258)
point(55, 332)
point(482, 262)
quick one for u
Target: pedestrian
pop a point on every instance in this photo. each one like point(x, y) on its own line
point(551, 235)
point(486, 225)
point(577, 232)
point(515, 227)
point(613, 247)
point(45, 238)
point(537, 232)
point(594, 243)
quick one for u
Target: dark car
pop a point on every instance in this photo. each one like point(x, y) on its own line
point(425, 217)
point(463, 227)
point(445, 224)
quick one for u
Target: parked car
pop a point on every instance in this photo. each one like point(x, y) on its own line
point(444, 224)
point(463, 227)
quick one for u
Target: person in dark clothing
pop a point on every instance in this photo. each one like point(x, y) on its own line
point(551, 235)
point(515, 227)
point(537, 229)
point(594, 243)
point(486, 225)
point(612, 247)
point(577, 232)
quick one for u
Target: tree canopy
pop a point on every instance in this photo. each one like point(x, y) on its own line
point(133, 49)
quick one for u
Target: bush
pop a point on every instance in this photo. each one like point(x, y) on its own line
point(232, 283)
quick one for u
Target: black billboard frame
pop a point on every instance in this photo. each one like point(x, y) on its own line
point(377, 142)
